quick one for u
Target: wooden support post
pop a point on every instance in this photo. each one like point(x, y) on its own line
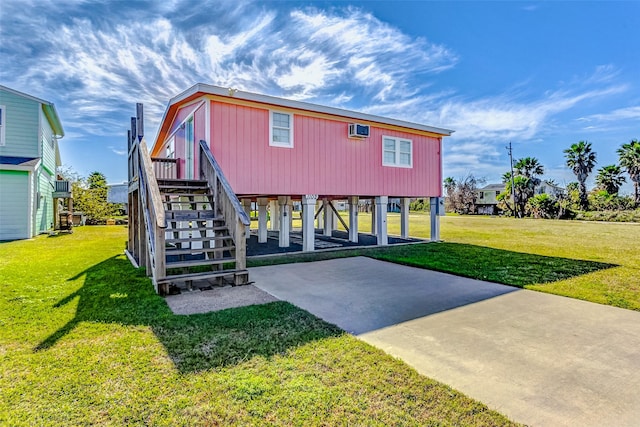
point(381, 220)
point(353, 219)
point(262, 219)
point(435, 219)
point(246, 204)
point(142, 234)
point(308, 228)
point(241, 254)
point(404, 217)
point(285, 212)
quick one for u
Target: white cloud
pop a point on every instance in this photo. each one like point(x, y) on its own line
point(117, 151)
point(628, 113)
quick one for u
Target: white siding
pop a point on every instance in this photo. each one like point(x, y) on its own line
point(14, 205)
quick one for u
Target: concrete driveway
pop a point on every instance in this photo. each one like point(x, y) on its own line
point(540, 359)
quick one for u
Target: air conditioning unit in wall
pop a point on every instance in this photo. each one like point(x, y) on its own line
point(357, 130)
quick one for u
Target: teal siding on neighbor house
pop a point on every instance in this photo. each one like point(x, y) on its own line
point(22, 119)
point(44, 202)
point(14, 205)
point(47, 144)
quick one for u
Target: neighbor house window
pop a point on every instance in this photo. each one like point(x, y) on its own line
point(497, 193)
point(280, 129)
point(3, 110)
point(482, 194)
point(397, 152)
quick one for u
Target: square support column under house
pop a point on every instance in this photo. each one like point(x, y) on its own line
point(262, 219)
point(353, 219)
point(285, 213)
point(381, 220)
point(308, 226)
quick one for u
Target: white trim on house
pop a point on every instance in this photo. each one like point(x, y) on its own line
point(3, 118)
point(170, 150)
point(280, 133)
point(397, 147)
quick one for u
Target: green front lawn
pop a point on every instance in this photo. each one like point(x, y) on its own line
point(84, 341)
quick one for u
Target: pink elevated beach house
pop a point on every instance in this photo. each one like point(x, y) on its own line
point(273, 152)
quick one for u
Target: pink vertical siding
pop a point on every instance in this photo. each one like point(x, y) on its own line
point(323, 161)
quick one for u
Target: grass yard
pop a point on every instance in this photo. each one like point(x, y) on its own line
point(593, 261)
point(85, 341)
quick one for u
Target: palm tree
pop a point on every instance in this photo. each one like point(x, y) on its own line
point(581, 160)
point(610, 179)
point(528, 168)
point(629, 155)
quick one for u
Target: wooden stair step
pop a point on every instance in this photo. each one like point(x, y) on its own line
point(197, 239)
point(171, 195)
point(198, 228)
point(191, 251)
point(166, 189)
point(180, 182)
point(190, 215)
point(198, 262)
point(201, 276)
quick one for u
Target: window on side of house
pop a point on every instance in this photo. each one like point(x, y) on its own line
point(280, 129)
point(171, 149)
point(397, 152)
point(3, 111)
point(482, 194)
point(497, 193)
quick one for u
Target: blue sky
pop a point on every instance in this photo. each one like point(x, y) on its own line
point(542, 75)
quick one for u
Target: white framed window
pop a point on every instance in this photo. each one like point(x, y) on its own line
point(280, 129)
point(171, 148)
point(397, 152)
point(3, 111)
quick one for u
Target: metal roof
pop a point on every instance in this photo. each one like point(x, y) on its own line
point(205, 89)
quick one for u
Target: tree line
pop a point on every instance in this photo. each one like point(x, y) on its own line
point(519, 197)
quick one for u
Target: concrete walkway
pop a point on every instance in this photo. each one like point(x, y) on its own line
point(540, 359)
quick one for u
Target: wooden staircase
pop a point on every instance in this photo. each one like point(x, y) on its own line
point(198, 245)
point(181, 230)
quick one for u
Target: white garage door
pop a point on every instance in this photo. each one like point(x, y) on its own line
point(14, 205)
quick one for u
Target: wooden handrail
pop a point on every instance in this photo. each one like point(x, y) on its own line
point(152, 187)
point(242, 215)
point(227, 204)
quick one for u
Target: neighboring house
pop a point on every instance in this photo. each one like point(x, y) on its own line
point(29, 155)
point(550, 188)
point(486, 199)
point(117, 193)
point(274, 152)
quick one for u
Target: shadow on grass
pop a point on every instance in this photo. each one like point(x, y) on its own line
point(115, 292)
point(477, 262)
point(493, 265)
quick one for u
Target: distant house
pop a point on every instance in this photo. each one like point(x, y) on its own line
point(487, 202)
point(487, 199)
point(549, 188)
point(117, 193)
point(29, 155)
